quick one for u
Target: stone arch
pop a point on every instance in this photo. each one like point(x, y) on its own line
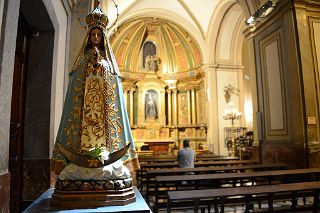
point(230, 38)
point(224, 64)
point(249, 6)
point(214, 27)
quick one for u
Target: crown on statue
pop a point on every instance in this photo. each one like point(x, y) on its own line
point(97, 18)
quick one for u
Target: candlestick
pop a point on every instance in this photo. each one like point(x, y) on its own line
point(232, 114)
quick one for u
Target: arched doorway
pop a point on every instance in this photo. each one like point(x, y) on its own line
point(30, 116)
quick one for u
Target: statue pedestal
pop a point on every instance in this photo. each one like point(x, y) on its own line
point(42, 204)
point(83, 199)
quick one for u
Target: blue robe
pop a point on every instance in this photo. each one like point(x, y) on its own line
point(94, 113)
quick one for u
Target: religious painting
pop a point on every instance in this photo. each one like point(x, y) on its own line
point(164, 133)
point(151, 105)
point(201, 105)
point(183, 109)
point(138, 134)
point(190, 132)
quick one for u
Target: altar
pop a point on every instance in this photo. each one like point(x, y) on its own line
point(42, 204)
point(159, 146)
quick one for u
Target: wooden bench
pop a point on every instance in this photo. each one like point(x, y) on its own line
point(141, 174)
point(151, 174)
point(173, 158)
point(220, 196)
point(157, 158)
point(235, 179)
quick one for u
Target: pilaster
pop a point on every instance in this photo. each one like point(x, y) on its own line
point(131, 106)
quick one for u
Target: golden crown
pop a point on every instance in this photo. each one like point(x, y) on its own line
point(97, 18)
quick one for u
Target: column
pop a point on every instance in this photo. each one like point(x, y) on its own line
point(125, 95)
point(189, 106)
point(212, 109)
point(193, 99)
point(131, 106)
point(175, 107)
point(162, 106)
point(169, 108)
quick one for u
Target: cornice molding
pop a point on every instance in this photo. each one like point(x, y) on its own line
point(309, 2)
point(281, 8)
point(308, 5)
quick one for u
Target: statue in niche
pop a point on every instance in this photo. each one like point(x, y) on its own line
point(147, 62)
point(151, 109)
point(152, 63)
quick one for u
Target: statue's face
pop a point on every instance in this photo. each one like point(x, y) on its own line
point(96, 37)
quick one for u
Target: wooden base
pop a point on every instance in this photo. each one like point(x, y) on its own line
point(85, 199)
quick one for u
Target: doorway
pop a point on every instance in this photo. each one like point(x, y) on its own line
point(31, 101)
point(17, 115)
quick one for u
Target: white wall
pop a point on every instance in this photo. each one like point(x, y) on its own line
point(7, 55)
point(1, 14)
point(59, 17)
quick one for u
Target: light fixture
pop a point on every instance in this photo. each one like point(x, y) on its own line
point(232, 114)
point(261, 13)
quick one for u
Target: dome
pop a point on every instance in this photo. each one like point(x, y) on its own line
point(177, 50)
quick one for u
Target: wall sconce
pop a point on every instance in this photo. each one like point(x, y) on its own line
point(261, 13)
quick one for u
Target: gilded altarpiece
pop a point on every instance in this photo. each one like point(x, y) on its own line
point(192, 118)
point(166, 99)
point(184, 108)
point(151, 92)
point(162, 117)
point(151, 128)
point(201, 105)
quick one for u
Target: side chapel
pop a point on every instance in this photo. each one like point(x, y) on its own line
point(164, 89)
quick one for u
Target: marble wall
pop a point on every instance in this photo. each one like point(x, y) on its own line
point(308, 26)
point(7, 48)
point(290, 108)
point(5, 192)
point(36, 178)
point(279, 86)
point(9, 23)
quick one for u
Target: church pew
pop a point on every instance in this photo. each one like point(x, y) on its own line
point(248, 195)
point(141, 174)
point(157, 158)
point(215, 158)
point(151, 174)
point(237, 179)
point(173, 158)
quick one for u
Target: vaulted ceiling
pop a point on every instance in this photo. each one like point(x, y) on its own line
point(196, 13)
point(186, 33)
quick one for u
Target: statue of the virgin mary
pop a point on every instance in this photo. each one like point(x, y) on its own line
point(94, 149)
